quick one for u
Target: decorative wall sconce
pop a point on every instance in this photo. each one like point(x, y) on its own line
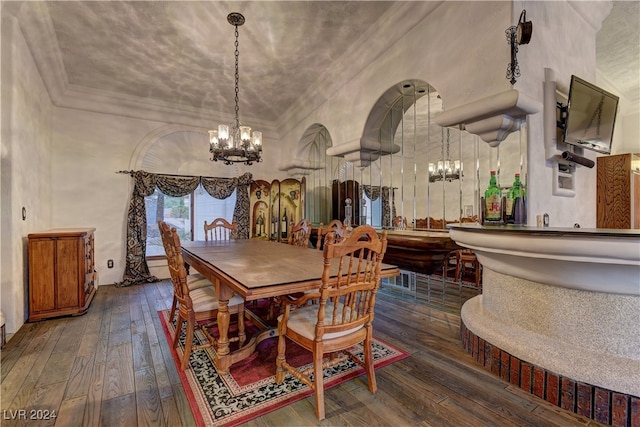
point(517, 35)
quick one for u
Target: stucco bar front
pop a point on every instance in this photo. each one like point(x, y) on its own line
point(570, 337)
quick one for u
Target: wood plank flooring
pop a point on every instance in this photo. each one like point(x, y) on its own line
point(112, 367)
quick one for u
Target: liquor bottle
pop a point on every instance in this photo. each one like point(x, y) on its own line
point(284, 224)
point(519, 207)
point(493, 202)
point(512, 195)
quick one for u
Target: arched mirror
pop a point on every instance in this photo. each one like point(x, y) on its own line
point(424, 175)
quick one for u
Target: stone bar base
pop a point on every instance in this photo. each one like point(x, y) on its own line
point(577, 349)
point(599, 404)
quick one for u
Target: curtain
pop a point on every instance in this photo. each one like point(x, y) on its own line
point(388, 201)
point(136, 268)
point(388, 206)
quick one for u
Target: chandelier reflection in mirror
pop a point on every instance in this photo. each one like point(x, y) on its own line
point(447, 169)
point(235, 143)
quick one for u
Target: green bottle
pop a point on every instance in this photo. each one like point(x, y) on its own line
point(493, 201)
point(512, 195)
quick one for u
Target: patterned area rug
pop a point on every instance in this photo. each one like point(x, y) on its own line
point(249, 390)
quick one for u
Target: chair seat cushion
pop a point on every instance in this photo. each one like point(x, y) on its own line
point(303, 321)
point(197, 281)
point(205, 299)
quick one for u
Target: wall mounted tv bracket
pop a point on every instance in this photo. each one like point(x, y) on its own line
point(563, 179)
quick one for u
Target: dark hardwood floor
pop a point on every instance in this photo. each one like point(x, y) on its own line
point(112, 367)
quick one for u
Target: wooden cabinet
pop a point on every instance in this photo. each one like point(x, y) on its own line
point(340, 192)
point(618, 192)
point(61, 272)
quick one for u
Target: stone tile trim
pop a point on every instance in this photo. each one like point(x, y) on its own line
point(599, 404)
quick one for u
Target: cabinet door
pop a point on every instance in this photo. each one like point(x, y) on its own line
point(42, 275)
point(68, 258)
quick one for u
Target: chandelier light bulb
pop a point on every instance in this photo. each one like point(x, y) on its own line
point(245, 134)
point(223, 132)
point(256, 141)
point(213, 138)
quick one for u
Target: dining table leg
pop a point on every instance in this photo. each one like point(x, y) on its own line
point(223, 359)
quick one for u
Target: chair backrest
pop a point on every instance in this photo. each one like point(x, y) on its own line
point(399, 223)
point(334, 226)
point(300, 233)
point(353, 293)
point(177, 269)
point(467, 255)
point(431, 223)
point(220, 229)
point(473, 218)
point(436, 224)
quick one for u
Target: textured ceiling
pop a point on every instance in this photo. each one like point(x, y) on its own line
point(181, 53)
point(618, 49)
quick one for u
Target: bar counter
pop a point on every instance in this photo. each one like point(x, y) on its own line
point(422, 251)
point(559, 314)
point(418, 250)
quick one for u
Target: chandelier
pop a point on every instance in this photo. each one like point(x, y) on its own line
point(448, 169)
point(234, 143)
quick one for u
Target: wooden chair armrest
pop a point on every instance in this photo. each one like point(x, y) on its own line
point(299, 298)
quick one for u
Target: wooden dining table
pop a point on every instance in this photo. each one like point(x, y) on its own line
point(255, 269)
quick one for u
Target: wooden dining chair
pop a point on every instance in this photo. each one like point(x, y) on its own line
point(195, 306)
point(220, 229)
point(399, 222)
point(343, 315)
point(335, 226)
point(467, 260)
point(436, 224)
point(300, 234)
point(450, 265)
point(194, 281)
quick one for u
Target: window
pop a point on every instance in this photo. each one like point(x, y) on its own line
point(187, 214)
point(372, 211)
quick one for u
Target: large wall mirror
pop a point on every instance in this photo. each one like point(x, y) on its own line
point(424, 174)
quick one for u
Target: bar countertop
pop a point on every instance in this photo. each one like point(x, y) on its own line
point(548, 231)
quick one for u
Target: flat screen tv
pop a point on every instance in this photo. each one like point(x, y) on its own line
point(591, 116)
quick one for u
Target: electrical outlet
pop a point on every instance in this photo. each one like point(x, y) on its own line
point(110, 263)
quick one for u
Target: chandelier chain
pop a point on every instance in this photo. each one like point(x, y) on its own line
point(448, 155)
point(237, 80)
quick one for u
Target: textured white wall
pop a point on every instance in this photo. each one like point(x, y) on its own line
point(563, 39)
point(626, 134)
point(25, 167)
